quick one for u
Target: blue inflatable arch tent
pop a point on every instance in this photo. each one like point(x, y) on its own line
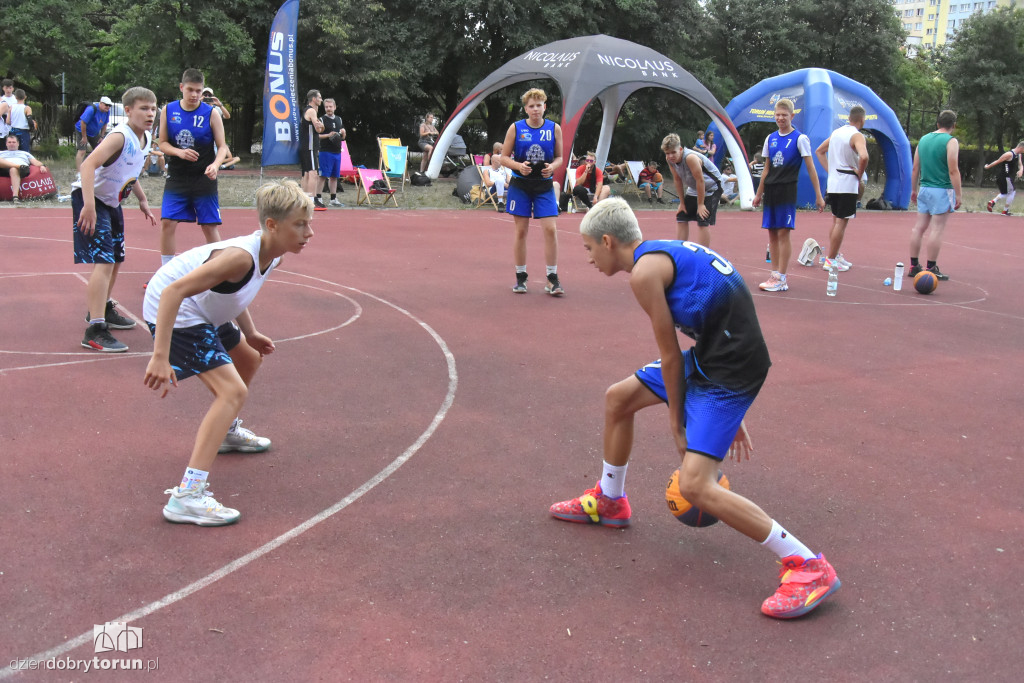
point(823, 100)
point(602, 67)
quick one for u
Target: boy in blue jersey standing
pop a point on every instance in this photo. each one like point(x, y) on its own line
point(192, 140)
point(533, 150)
point(708, 389)
point(783, 150)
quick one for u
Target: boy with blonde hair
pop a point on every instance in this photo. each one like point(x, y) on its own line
point(107, 176)
point(708, 389)
point(196, 306)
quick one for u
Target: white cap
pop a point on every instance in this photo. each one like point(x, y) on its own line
point(106, 100)
point(208, 90)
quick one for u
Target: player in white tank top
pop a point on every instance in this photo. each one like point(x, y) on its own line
point(844, 155)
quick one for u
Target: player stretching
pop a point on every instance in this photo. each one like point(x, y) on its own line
point(708, 389)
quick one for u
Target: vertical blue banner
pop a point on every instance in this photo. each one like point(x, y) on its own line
point(280, 106)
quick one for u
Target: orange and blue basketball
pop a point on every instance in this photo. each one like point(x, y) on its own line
point(681, 508)
point(925, 282)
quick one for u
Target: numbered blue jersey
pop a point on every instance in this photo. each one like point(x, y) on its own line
point(190, 130)
point(534, 145)
point(782, 152)
point(711, 304)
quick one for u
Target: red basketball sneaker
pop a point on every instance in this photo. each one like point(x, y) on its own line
point(803, 585)
point(593, 507)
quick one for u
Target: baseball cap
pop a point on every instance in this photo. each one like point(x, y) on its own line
point(207, 91)
point(106, 100)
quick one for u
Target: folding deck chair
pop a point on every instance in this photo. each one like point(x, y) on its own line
point(365, 191)
point(484, 196)
point(633, 179)
point(396, 161)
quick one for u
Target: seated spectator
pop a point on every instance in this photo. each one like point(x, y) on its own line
point(16, 164)
point(709, 142)
point(497, 177)
point(650, 179)
point(155, 157)
point(590, 187)
point(700, 145)
point(616, 173)
point(495, 151)
point(729, 188)
point(428, 136)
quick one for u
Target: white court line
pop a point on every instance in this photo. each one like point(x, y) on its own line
point(270, 546)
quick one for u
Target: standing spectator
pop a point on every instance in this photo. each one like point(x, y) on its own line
point(309, 147)
point(590, 187)
point(15, 164)
point(331, 138)
point(533, 150)
point(91, 127)
point(844, 156)
point(190, 130)
point(650, 179)
point(21, 122)
point(756, 167)
point(1009, 165)
point(709, 142)
point(699, 186)
point(428, 137)
point(778, 189)
point(6, 102)
point(225, 114)
point(98, 221)
point(937, 174)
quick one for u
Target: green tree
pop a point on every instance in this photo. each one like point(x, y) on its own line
point(985, 70)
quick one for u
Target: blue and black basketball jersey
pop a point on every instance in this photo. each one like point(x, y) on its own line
point(190, 130)
point(711, 304)
point(535, 146)
point(783, 160)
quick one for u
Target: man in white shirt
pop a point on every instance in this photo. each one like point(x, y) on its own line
point(844, 156)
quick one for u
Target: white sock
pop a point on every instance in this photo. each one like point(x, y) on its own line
point(552, 270)
point(192, 478)
point(1009, 199)
point(784, 544)
point(520, 269)
point(782, 277)
point(613, 480)
point(165, 259)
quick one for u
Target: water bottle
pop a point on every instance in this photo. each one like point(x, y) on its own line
point(768, 254)
point(897, 280)
point(833, 281)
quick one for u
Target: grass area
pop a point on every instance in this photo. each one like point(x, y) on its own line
point(237, 189)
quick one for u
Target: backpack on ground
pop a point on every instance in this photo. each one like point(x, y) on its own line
point(419, 179)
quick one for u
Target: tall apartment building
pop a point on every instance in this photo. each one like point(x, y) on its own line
point(930, 23)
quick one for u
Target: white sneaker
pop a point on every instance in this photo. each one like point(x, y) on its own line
point(840, 266)
point(241, 440)
point(197, 506)
point(842, 260)
point(335, 202)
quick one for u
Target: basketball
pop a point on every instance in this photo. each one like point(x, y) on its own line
point(925, 282)
point(681, 508)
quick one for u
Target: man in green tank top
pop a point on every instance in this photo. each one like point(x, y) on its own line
point(936, 190)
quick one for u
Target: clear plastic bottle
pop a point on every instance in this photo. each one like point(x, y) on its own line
point(833, 281)
point(897, 279)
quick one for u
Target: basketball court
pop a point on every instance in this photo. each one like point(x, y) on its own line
point(423, 420)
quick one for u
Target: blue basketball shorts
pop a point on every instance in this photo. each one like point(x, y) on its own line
point(191, 199)
point(779, 216)
point(935, 200)
point(713, 413)
point(521, 203)
point(330, 164)
point(106, 243)
point(197, 349)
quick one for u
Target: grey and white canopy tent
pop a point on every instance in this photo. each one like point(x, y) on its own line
point(605, 68)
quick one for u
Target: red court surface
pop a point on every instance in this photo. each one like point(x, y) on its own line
point(423, 420)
